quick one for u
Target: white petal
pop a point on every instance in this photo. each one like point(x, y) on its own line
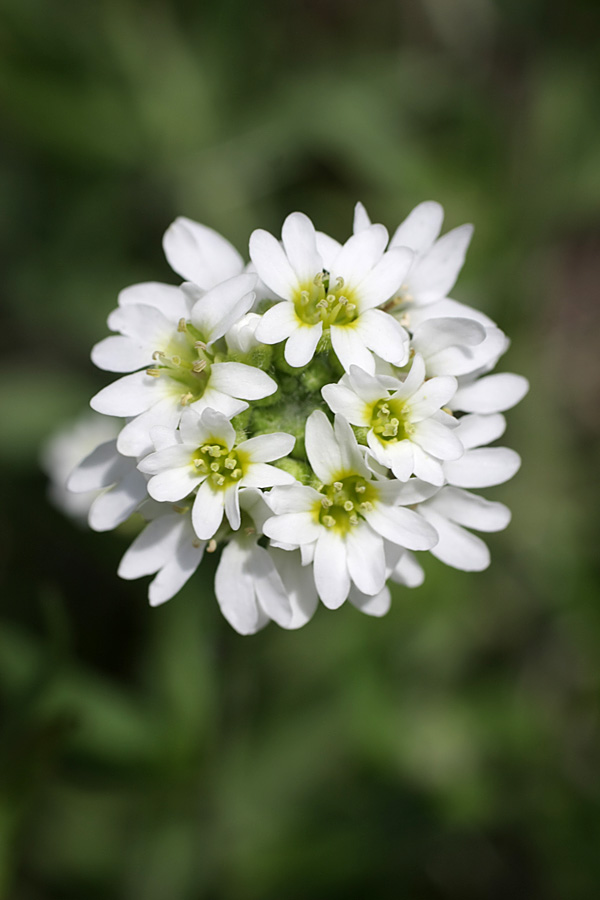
point(235, 588)
point(431, 396)
point(219, 402)
point(456, 547)
point(121, 354)
point(213, 426)
point(277, 323)
point(328, 249)
point(474, 430)
point(267, 447)
point(484, 467)
point(299, 585)
point(435, 335)
point(302, 343)
point(370, 388)
point(494, 393)
point(341, 399)
point(293, 528)
point(435, 438)
point(179, 569)
point(408, 571)
point(165, 297)
point(384, 280)
point(361, 218)
point(232, 506)
point(470, 510)
point(426, 467)
point(241, 381)
point(171, 457)
point(414, 491)
point(270, 590)
point(299, 241)
point(384, 335)
point(215, 312)
point(420, 228)
point(377, 605)
point(116, 505)
point(413, 381)
point(322, 449)
point(272, 264)
point(100, 468)
point(352, 459)
point(366, 559)
point(135, 438)
point(129, 396)
point(331, 571)
point(262, 475)
point(199, 254)
point(174, 484)
point(433, 276)
point(292, 498)
point(401, 526)
point(359, 255)
point(350, 348)
point(399, 457)
point(207, 511)
point(152, 548)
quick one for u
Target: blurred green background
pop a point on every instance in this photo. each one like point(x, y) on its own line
point(447, 752)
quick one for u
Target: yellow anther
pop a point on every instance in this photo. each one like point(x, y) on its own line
point(186, 398)
point(154, 373)
point(366, 506)
point(328, 521)
point(212, 546)
point(215, 451)
point(331, 298)
point(322, 304)
point(200, 464)
point(236, 474)
point(360, 488)
point(218, 479)
point(158, 354)
point(205, 448)
point(348, 505)
point(326, 503)
point(343, 301)
point(214, 467)
point(384, 410)
point(199, 365)
point(339, 282)
point(353, 519)
point(199, 345)
point(338, 486)
point(176, 360)
point(181, 325)
point(180, 509)
point(318, 279)
point(229, 463)
point(304, 298)
point(249, 530)
point(351, 307)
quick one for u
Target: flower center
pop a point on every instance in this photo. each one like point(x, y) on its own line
point(224, 467)
point(320, 300)
point(343, 503)
point(389, 421)
point(185, 361)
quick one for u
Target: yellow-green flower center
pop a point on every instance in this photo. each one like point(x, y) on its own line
point(326, 301)
point(343, 504)
point(185, 361)
point(389, 421)
point(222, 466)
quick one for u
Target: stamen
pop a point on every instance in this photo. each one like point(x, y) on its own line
point(212, 546)
point(328, 521)
point(236, 474)
point(351, 307)
point(200, 464)
point(229, 463)
point(360, 488)
point(181, 325)
point(353, 519)
point(366, 506)
point(326, 503)
point(339, 282)
point(338, 486)
point(214, 467)
point(176, 360)
point(154, 373)
point(348, 505)
point(304, 298)
point(199, 365)
point(158, 354)
point(186, 398)
point(318, 279)
point(215, 451)
point(218, 479)
point(199, 345)
point(330, 299)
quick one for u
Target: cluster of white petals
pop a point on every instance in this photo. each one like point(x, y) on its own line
point(321, 415)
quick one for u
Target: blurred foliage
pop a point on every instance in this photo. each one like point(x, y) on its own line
point(447, 752)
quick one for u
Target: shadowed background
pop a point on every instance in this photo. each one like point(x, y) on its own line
point(447, 752)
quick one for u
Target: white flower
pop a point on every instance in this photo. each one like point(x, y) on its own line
point(491, 394)
point(119, 487)
point(203, 454)
point(64, 449)
point(200, 254)
point(167, 546)
point(174, 336)
point(335, 296)
point(437, 260)
point(408, 431)
point(343, 526)
point(481, 466)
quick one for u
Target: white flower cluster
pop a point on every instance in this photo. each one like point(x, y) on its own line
point(321, 413)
